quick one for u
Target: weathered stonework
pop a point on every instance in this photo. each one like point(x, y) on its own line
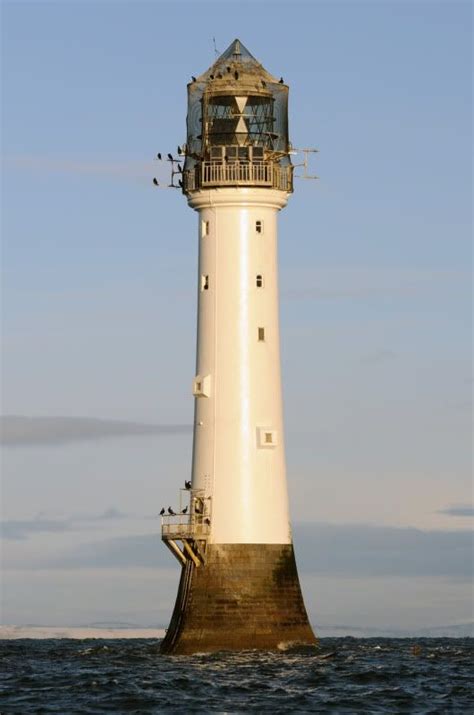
point(246, 596)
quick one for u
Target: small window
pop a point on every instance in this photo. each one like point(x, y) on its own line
point(267, 437)
point(204, 228)
point(204, 282)
point(259, 281)
point(259, 226)
point(202, 386)
point(261, 334)
point(257, 152)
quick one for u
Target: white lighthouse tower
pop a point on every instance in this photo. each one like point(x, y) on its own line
point(239, 586)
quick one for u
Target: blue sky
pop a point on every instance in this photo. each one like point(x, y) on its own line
point(99, 272)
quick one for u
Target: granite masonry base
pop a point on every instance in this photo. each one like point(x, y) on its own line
point(246, 596)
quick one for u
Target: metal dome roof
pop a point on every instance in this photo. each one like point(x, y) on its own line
point(236, 58)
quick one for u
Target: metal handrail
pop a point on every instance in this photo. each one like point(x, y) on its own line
point(184, 526)
point(239, 173)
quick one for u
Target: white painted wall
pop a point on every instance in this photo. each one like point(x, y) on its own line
point(246, 482)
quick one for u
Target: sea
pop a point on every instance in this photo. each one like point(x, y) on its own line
point(343, 675)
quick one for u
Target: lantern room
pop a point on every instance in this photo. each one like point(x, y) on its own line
point(237, 126)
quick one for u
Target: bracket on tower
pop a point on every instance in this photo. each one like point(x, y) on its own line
point(304, 163)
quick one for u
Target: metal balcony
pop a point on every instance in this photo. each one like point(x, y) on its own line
point(191, 529)
point(213, 174)
point(184, 526)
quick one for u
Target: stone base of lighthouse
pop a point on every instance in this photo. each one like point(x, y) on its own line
point(245, 596)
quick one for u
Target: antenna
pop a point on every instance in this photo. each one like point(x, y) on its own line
point(216, 51)
point(176, 168)
point(304, 163)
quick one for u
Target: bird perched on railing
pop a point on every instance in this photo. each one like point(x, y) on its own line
point(187, 484)
point(171, 512)
point(162, 511)
point(183, 511)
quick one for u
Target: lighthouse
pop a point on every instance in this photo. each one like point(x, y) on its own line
point(239, 586)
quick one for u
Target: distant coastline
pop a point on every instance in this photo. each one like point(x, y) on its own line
point(77, 633)
point(12, 632)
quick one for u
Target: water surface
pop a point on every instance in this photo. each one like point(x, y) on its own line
point(345, 675)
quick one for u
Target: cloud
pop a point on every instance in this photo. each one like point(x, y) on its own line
point(355, 283)
point(364, 551)
point(21, 530)
point(107, 515)
point(20, 431)
point(458, 510)
point(351, 551)
point(136, 170)
point(379, 356)
point(120, 552)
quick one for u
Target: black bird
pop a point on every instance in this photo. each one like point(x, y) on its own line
point(193, 78)
point(184, 510)
point(155, 181)
point(187, 484)
point(180, 184)
point(171, 512)
point(281, 80)
point(179, 151)
point(236, 74)
point(162, 511)
point(158, 156)
point(170, 157)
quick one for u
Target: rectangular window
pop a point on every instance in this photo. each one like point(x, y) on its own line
point(267, 437)
point(202, 386)
point(261, 334)
point(231, 153)
point(204, 228)
point(204, 282)
point(259, 226)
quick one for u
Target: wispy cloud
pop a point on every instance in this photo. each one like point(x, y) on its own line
point(358, 283)
point(363, 550)
point(136, 170)
point(20, 431)
point(22, 529)
point(354, 551)
point(458, 510)
point(379, 356)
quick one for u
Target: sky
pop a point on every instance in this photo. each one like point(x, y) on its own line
point(99, 303)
